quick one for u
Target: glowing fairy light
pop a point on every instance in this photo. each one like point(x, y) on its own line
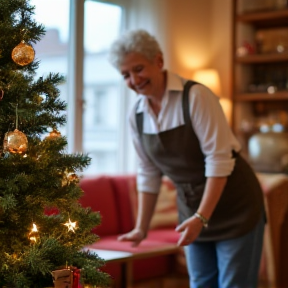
point(71, 225)
point(33, 235)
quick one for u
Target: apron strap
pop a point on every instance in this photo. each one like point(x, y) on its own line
point(185, 101)
point(139, 120)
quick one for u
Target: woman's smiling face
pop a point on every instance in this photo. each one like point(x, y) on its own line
point(142, 75)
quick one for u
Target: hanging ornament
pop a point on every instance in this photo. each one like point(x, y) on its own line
point(53, 134)
point(1, 94)
point(34, 234)
point(69, 178)
point(71, 225)
point(15, 142)
point(23, 54)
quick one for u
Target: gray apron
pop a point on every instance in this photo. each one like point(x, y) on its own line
point(177, 153)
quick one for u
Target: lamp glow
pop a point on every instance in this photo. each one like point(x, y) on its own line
point(210, 78)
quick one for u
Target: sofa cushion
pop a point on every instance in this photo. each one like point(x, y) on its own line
point(122, 184)
point(165, 235)
point(166, 213)
point(100, 196)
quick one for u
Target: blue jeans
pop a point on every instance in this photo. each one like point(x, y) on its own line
point(232, 263)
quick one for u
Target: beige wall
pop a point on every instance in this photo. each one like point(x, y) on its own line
point(221, 54)
point(188, 28)
point(193, 34)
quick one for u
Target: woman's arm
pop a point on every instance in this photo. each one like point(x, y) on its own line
point(148, 182)
point(146, 206)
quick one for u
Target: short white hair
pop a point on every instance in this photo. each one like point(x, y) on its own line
point(137, 41)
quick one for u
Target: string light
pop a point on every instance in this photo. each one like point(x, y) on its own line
point(71, 225)
point(33, 235)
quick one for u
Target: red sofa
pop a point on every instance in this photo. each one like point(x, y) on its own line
point(115, 197)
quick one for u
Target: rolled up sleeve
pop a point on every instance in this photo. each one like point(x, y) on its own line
point(148, 175)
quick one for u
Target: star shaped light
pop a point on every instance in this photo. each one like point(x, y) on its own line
point(33, 235)
point(71, 225)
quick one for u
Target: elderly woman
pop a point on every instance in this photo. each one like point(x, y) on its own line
point(179, 130)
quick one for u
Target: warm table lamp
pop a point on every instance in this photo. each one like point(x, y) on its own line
point(210, 78)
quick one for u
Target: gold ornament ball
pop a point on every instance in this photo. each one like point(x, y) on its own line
point(15, 142)
point(23, 54)
point(38, 99)
point(72, 177)
point(54, 134)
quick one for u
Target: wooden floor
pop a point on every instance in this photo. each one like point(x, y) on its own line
point(167, 282)
point(265, 285)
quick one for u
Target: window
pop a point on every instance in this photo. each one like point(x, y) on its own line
point(52, 50)
point(102, 83)
point(97, 121)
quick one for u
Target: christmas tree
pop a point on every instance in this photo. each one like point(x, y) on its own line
point(43, 228)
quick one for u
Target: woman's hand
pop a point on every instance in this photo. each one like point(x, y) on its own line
point(135, 236)
point(146, 202)
point(190, 229)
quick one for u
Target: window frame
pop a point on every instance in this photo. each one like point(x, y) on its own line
point(75, 82)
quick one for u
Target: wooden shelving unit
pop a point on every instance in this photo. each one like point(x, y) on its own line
point(257, 72)
point(260, 66)
point(266, 18)
point(262, 58)
point(249, 97)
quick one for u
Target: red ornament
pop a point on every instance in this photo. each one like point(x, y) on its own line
point(250, 47)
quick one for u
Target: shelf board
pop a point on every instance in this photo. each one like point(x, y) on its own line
point(263, 15)
point(278, 96)
point(263, 58)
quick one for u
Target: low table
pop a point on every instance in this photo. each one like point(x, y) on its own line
point(116, 256)
point(126, 259)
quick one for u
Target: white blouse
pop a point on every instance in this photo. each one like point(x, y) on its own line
point(209, 123)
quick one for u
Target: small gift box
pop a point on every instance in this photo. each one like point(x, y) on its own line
point(66, 278)
point(63, 278)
